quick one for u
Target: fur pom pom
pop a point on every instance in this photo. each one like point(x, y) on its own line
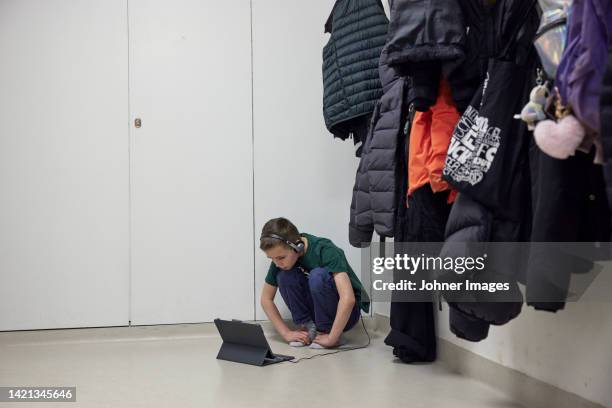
point(559, 140)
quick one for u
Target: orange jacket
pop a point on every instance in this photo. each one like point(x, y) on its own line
point(430, 136)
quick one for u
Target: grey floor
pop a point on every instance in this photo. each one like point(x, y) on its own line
point(175, 366)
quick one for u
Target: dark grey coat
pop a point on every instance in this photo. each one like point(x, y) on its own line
point(374, 200)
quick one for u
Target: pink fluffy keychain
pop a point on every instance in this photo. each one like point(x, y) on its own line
point(559, 139)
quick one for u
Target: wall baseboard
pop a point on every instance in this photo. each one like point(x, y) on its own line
point(525, 390)
point(133, 333)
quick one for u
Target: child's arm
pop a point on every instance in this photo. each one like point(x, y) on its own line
point(267, 303)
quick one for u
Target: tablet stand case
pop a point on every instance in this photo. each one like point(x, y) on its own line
point(243, 343)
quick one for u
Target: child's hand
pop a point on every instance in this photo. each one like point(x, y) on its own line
point(296, 335)
point(326, 341)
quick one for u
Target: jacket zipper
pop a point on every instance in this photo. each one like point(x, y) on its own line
point(407, 128)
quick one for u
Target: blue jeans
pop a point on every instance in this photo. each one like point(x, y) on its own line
point(313, 298)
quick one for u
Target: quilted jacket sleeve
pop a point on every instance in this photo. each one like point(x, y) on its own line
point(361, 225)
point(373, 206)
point(383, 158)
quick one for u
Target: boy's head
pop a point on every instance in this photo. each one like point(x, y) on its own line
point(281, 242)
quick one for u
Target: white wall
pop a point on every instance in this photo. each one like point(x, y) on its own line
point(571, 349)
point(301, 172)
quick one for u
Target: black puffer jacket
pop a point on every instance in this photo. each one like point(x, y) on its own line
point(423, 36)
point(473, 312)
point(374, 193)
point(425, 30)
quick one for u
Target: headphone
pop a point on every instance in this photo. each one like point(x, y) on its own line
point(297, 246)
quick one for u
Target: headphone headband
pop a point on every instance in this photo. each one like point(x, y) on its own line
point(297, 246)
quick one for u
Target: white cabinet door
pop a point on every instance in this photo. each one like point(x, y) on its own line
point(64, 201)
point(192, 177)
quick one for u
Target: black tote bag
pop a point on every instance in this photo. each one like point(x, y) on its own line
point(488, 145)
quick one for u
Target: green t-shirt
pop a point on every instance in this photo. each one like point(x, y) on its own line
point(322, 253)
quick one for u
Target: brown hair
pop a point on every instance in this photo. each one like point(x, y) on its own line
point(281, 227)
